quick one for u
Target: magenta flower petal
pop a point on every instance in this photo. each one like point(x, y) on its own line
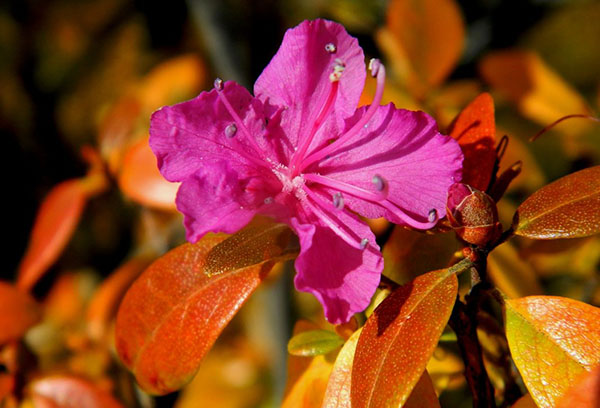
point(297, 78)
point(402, 158)
point(214, 200)
point(193, 134)
point(341, 277)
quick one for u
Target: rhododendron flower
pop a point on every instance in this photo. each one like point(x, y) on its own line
point(301, 152)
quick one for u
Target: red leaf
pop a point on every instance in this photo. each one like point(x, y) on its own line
point(585, 393)
point(71, 392)
point(55, 223)
point(18, 312)
point(475, 130)
point(399, 338)
point(174, 312)
point(566, 208)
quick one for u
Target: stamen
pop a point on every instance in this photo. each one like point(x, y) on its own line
point(330, 48)
point(338, 70)
point(347, 188)
point(268, 200)
point(325, 110)
point(320, 154)
point(379, 182)
point(433, 215)
point(379, 199)
point(338, 201)
point(238, 121)
point(231, 130)
point(330, 220)
point(363, 243)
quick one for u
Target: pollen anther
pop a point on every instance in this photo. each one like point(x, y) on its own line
point(330, 48)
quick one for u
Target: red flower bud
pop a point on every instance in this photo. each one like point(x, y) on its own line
point(473, 214)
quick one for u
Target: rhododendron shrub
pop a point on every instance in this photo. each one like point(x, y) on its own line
point(301, 151)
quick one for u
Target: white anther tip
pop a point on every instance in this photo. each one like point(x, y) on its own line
point(218, 84)
point(363, 243)
point(374, 65)
point(433, 215)
point(330, 48)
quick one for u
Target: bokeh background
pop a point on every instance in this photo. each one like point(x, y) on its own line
point(77, 73)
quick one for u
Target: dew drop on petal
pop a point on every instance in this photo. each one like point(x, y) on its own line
point(231, 130)
point(218, 84)
point(330, 48)
point(363, 243)
point(433, 215)
point(338, 201)
point(379, 182)
point(268, 200)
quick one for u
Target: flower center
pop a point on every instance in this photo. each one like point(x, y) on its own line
point(292, 185)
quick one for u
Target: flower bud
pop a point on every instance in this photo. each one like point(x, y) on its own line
point(473, 214)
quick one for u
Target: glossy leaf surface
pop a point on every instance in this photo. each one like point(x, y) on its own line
point(585, 393)
point(475, 130)
point(552, 340)
point(174, 312)
point(71, 392)
point(399, 338)
point(314, 342)
point(56, 220)
point(18, 312)
point(423, 395)
point(566, 208)
point(337, 394)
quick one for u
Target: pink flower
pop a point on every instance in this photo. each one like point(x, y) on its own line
point(301, 152)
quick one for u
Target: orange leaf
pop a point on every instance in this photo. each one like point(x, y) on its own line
point(309, 388)
point(475, 130)
point(424, 39)
point(103, 306)
point(18, 312)
point(566, 208)
point(537, 90)
point(399, 338)
point(55, 223)
point(423, 395)
point(552, 341)
point(337, 394)
point(525, 402)
point(585, 393)
point(71, 392)
point(174, 312)
point(140, 180)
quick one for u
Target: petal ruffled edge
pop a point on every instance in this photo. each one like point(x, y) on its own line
point(343, 278)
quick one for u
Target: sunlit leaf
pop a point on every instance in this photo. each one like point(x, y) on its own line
point(512, 275)
point(585, 393)
point(399, 338)
point(140, 180)
point(314, 342)
point(552, 341)
point(566, 208)
point(475, 130)
point(539, 92)
point(174, 312)
point(408, 254)
point(71, 392)
point(105, 301)
point(445, 369)
point(424, 40)
point(337, 394)
point(18, 312)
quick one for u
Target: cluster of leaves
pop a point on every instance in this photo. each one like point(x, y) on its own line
point(464, 306)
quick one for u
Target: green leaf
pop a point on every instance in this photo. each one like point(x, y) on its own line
point(314, 343)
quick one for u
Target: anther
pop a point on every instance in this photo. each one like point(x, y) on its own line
point(374, 65)
point(338, 68)
point(338, 201)
point(433, 215)
point(330, 48)
point(218, 84)
point(268, 200)
point(230, 130)
point(379, 182)
point(363, 243)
